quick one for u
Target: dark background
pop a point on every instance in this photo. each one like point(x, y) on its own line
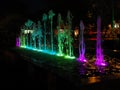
point(11, 10)
point(17, 73)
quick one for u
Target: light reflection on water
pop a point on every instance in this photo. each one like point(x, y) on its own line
point(88, 72)
point(93, 79)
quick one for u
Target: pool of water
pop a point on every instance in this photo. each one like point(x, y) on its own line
point(16, 72)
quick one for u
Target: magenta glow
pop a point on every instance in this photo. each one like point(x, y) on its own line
point(18, 42)
point(81, 44)
point(99, 52)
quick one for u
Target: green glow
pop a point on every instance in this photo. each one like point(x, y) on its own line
point(39, 50)
point(69, 38)
point(23, 46)
point(61, 36)
point(44, 19)
point(49, 52)
point(51, 15)
point(60, 54)
point(33, 37)
point(70, 57)
point(22, 39)
point(65, 38)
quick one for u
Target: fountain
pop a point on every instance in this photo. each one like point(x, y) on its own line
point(39, 32)
point(22, 38)
point(60, 37)
point(34, 34)
point(25, 35)
point(27, 27)
point(65, 40)
point(68, 37)
point(18, 42)
point(99, 52)
point(51, 14)
point(81, 44)
point(44, 19)
point(33, 37)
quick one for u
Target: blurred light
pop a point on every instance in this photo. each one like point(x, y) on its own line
point(93, 79)
point(76, 32)
point(115, 50)
point(69, 57)
point(18, 42)
point(28, 31)
point(116, 25)
point(109, 26)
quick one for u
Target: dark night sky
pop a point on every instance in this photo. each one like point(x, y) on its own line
point(35, 6)
point(19, 9)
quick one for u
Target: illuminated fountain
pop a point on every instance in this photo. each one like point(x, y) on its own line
point(36, 37)
point(22, 38)
point(39, 35)
point(22, 41)
point(81, 44)
point(31, 34)
point(33, 37)
point(25, 35)
point(44, 19)
point(60, 37)
point(18, 42)
point(34, 34)
point(26, 30)
point(69, 39)
point(99, 52)
point(65, 39)
point(51, 15)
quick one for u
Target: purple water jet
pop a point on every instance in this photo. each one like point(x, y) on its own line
point(18, 42)
point(81, 44)
point(99, 52)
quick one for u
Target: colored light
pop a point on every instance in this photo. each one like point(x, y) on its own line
point(81, 44)
point(69, 57)
point(59, 54)
point(17, 42)
point(23, 46)
point(99, 52)
point(81, 60)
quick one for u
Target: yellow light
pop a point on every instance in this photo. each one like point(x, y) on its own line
point(93, 79)
point(28, 31)
point(76, 32)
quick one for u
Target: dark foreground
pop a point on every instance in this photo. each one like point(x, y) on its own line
point(15, 72)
